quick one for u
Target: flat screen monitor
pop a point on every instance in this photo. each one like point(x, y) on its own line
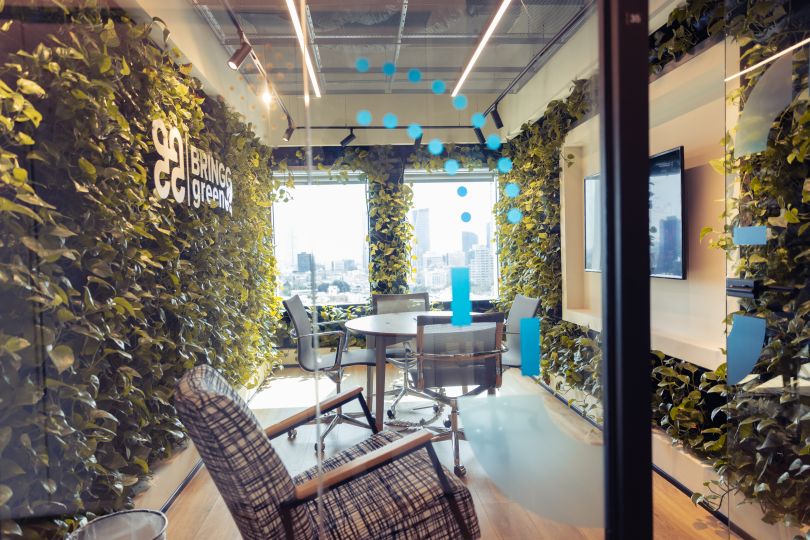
point(667, 249)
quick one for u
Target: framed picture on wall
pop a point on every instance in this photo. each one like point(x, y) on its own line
point(593, 224)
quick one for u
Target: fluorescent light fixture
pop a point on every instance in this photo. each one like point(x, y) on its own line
point(299, 32)
point(238, 58)
point(767, 60)
point(483, 43)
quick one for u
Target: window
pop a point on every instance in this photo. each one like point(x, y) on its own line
point(323, 227)
point(443, 239)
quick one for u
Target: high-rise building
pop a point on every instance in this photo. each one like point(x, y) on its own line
point(421, 228)
point(482, 269)
point(468, 240)
point(456, 259)
point(306, 262)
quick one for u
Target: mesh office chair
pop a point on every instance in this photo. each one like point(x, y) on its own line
point(332, 366)
point(523, 307)
point(457, 356)
point(386, 487)
point(398, 354)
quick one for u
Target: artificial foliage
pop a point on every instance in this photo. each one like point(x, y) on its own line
point(109, 293)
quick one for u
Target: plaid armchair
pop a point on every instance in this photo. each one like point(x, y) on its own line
point(388, 486)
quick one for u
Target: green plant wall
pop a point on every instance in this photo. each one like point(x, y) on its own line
point(109, 294)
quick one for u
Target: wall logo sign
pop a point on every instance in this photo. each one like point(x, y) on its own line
point(191, 175)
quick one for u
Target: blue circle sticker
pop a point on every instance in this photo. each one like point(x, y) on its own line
point(414, 75)
point(504, 165)
point(451, 166)
point(435, 147)
point(462, 191)
point(390, 120)
point(364, 117)
point(478, 120)
point(389, 68)
point(466, 217)
point(362, 64)
point(438, 86)
point(460, 102)
point(512, 190)
point(414, 131)
point(514, 215)
point(494, 142)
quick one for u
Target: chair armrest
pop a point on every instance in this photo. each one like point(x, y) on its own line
point(309, 414)
point(329, 333)
point(362, 465)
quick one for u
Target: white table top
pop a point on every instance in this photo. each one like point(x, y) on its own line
point(390, 324)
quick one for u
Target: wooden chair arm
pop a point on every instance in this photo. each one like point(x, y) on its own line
point(362, 465)
point(309, 414)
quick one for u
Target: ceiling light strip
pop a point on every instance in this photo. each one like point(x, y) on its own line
point(299, 32)
point(478, 50)
point(767, 60)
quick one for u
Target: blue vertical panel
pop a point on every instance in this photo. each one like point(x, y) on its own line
point(461, 303)
point(744, 346)
point(530, 346)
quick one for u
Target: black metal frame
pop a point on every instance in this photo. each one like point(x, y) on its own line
point(624, 98)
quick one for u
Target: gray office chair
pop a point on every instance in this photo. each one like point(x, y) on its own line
point(457, 356)
point(523, 307)
point(397, 355)
point(332, 366)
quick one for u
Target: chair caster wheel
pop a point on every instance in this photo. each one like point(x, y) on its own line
point(391, 414)
point(292, 434)
point(435, 408)
point(319, 448)
point(447, 423)
point(460, 471)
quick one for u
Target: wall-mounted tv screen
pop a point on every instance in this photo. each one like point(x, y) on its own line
point(667, 249)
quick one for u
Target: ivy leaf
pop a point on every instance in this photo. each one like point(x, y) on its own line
point(14, 344)
point(27, 86)
point(62, 357)
point(88, 168)
point(5, 494)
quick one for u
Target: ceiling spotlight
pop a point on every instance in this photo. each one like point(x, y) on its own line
point(349, 138)
point(480, 135)
point(417, 142)
point(267, 97)
point(290, 129)
point(496, 117)
point(240, 55)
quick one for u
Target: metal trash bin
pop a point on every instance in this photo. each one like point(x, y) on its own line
point(125, 525)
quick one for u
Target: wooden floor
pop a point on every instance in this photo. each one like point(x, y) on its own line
point(200, 514)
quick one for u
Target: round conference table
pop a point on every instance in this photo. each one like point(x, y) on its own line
point(386, 329)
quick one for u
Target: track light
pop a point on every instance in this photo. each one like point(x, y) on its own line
point(238, 58)
point(417, 142)
point(290, 129)
point(480, 135)
point(496, 117)
point(349, 138)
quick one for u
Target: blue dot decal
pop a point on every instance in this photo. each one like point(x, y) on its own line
point(462, 191)
point(390, 120)
point(362, 65)
point(478, 120)
point(451, 166)
point(438, 86)
point(514, 215)
point(466, 217)
point(414, 75)
point(389, 68)
point(414, 131)
point(435, 147)
point(364, 117)
point(460, 102)
point(512, 190)
point(493, 142)
point(504, 165)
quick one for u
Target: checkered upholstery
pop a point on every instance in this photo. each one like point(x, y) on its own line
point(247, 471)
point(402, 499)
